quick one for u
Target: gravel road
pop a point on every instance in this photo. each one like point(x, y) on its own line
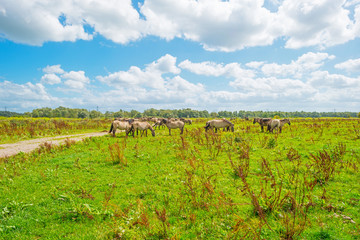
point(10, 149)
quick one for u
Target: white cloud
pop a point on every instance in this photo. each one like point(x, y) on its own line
point(116, 20)
point(214, 69)
point(151, 76)
point(37, 21)
point(324, 79)
point(50, 78)
point(254, 64)
point(306, 63)
point(316, 23)
point(216, 24)
point(72, 81)
point(25, 96)
point(53, 69)
point(351, 65)
point(75, 80)
point(244, 23)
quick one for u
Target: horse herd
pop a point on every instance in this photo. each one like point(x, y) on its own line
point(130, 126)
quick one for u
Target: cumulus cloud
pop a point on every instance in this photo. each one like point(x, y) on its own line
point(214, 69)
point(75, 80)
point(153, 84)
point(53, 69)
point(335, 81)
point(150, 77)
point(304, 64)
point(351, 65)
point(316, 23)
point(72, 81)
point(301, 80)
point(161, 84)
point(217, 25)
point(37, 21)
point(244, 23)
point(24, 96)
point(50, 78)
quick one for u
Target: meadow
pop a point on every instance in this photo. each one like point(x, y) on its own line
point(302, 183)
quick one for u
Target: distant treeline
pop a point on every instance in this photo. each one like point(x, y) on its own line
point(166, 113)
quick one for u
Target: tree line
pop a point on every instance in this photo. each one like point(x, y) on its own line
point(63, 112)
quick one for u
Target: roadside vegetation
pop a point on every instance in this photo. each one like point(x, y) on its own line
point(302, 183)
point(16, 129)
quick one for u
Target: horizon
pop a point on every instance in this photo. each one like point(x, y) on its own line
point(238, 111)
point(204, 55)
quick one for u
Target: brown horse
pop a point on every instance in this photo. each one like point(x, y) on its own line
point(262, 121)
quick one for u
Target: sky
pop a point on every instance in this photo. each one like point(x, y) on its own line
point(215, 55)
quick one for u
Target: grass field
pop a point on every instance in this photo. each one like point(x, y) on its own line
point(300, 184)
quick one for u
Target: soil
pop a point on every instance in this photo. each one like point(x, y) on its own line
point(10, 149)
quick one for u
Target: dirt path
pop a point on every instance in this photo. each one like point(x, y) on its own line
point(10, 149)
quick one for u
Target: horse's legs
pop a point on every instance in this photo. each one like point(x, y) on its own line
point(182, 130)
point(169, 131)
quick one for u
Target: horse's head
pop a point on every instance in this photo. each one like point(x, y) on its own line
point(287, 121)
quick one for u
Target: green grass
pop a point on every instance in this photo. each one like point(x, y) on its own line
point(245, 184)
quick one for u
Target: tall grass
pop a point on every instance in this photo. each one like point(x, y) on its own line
point(300, 184)
point(15, 129)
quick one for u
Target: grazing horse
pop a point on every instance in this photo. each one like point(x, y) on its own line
point(188, 121)
point(158, 124)
point(273, 124)
point(122, 125)
point(282, 123)
point(174, 124)
point(219, 123)
point(262, 121)
point(143, 127)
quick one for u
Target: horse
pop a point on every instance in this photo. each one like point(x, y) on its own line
point(273, 124)
point(262, 121)
point(188, 121)
point(219, 123)
point(173, 124)
point(143, 127)
point(122, 125)
point(282, 123)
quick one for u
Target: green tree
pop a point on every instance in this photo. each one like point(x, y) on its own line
point(95, 114)
point(83, 114)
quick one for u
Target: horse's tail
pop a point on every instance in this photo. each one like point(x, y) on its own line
point(111, 128)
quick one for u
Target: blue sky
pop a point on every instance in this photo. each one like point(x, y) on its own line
point(171, 54)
